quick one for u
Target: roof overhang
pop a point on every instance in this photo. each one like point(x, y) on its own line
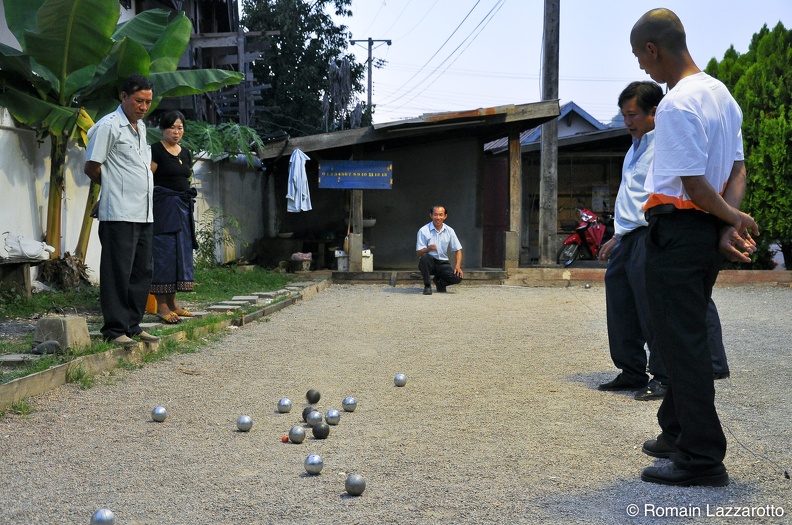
point(485, 124)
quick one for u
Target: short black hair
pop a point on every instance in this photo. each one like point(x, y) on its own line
point(169, 119)
point(134, 83)
point(432, 209)
point(647, 94)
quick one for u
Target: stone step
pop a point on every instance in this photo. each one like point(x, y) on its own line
point(223, 308)
point(250, 299)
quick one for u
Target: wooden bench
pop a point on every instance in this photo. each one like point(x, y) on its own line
point(15, 276)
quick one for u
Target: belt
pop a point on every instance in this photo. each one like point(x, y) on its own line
point(662, 209)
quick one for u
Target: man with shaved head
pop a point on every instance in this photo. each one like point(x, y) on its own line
point(695, 185)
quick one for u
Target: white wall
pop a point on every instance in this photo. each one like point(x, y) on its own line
point(24, 179)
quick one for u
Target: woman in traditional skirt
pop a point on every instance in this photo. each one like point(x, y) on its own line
point(174, 226)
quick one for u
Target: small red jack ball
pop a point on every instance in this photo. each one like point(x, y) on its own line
point(285, 439)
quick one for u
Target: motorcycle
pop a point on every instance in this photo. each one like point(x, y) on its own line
point(590, 234)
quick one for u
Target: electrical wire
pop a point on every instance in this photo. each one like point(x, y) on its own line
point(485, 21)
point(417, 23)
point(443, 45)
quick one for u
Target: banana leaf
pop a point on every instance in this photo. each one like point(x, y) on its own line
point(20, 17)
point(72, 35)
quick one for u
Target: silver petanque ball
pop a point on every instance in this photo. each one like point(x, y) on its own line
point(103, 517)
point(333, 416)
point(297, 434)
point(400, 380)
point(588, 285)
point(314, 464)
point(314, 417)
point(244, 423)
point(349, 403)
point(355, 484)
point(159, 414)
point(284, 405)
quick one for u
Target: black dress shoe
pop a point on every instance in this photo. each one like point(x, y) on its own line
point(658, 448)
point(721, 375)
point(439, 284)
point(654, 390)
point(621, 384)
point(672, 475)
point(427, 290)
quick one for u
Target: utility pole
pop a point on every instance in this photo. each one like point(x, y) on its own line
point(370, 49)
point(356, 238)
point(548, 182)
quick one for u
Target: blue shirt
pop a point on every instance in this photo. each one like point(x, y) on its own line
point(443, 239)
point(628, 213)
point(125, 156)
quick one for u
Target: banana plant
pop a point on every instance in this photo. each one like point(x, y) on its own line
point(73, 57)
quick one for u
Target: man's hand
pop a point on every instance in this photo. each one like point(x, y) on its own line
point(736, 243)
point(607, 248)
point(458, 271)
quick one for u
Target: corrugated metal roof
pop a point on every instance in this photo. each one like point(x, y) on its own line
point(485, 123)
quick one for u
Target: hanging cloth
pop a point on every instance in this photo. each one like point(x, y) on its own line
point(298, 198)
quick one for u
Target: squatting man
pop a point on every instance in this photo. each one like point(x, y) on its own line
point(434, 241)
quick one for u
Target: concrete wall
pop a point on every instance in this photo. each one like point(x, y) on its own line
point(24, 175)
point(444, 173)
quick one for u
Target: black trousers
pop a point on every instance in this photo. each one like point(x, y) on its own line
point(682, 264)
point(125, 275)
point(629, 325)
point(442, 270)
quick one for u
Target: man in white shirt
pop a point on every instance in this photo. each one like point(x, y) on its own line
point(432, 246)
point(119, 158)
point(695, 184)
point(629, 325)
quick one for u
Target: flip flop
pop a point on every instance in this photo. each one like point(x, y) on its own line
point(181, 312)
point(169, 318)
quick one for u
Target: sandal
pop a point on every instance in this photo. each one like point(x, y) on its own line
point(181, 312)
point(169, 318)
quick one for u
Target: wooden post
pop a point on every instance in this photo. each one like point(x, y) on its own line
point(548, 184)
point(512, 238)
point(356, 248)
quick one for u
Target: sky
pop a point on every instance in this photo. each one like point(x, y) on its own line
point(450, 55)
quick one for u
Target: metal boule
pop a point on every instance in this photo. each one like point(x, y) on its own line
point(284, 405)
point(244, 423)
point(297, 434)
point(355, 484)
point(159, 414)
point(314, 417)
point(332, 416)
point(349, 404)
point(314, 464)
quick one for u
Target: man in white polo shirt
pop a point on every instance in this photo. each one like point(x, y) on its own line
point(432, 246)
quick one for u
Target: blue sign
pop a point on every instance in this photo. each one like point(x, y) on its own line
point(356, 174)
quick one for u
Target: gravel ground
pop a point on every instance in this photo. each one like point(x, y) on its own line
point(500, 420)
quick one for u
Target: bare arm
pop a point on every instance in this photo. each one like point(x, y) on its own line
point(430, 248)
point(458, 266)
point(94, 171)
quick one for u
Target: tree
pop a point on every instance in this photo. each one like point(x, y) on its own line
point(298, 64)
point(761, 81)
point(72, 60)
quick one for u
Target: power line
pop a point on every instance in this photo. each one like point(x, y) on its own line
point(485, 21)
point(443, 45)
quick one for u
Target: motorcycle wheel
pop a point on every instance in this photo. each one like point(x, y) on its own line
point(568, 253)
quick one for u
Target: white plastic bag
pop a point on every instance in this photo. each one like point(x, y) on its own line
point(20, 248)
